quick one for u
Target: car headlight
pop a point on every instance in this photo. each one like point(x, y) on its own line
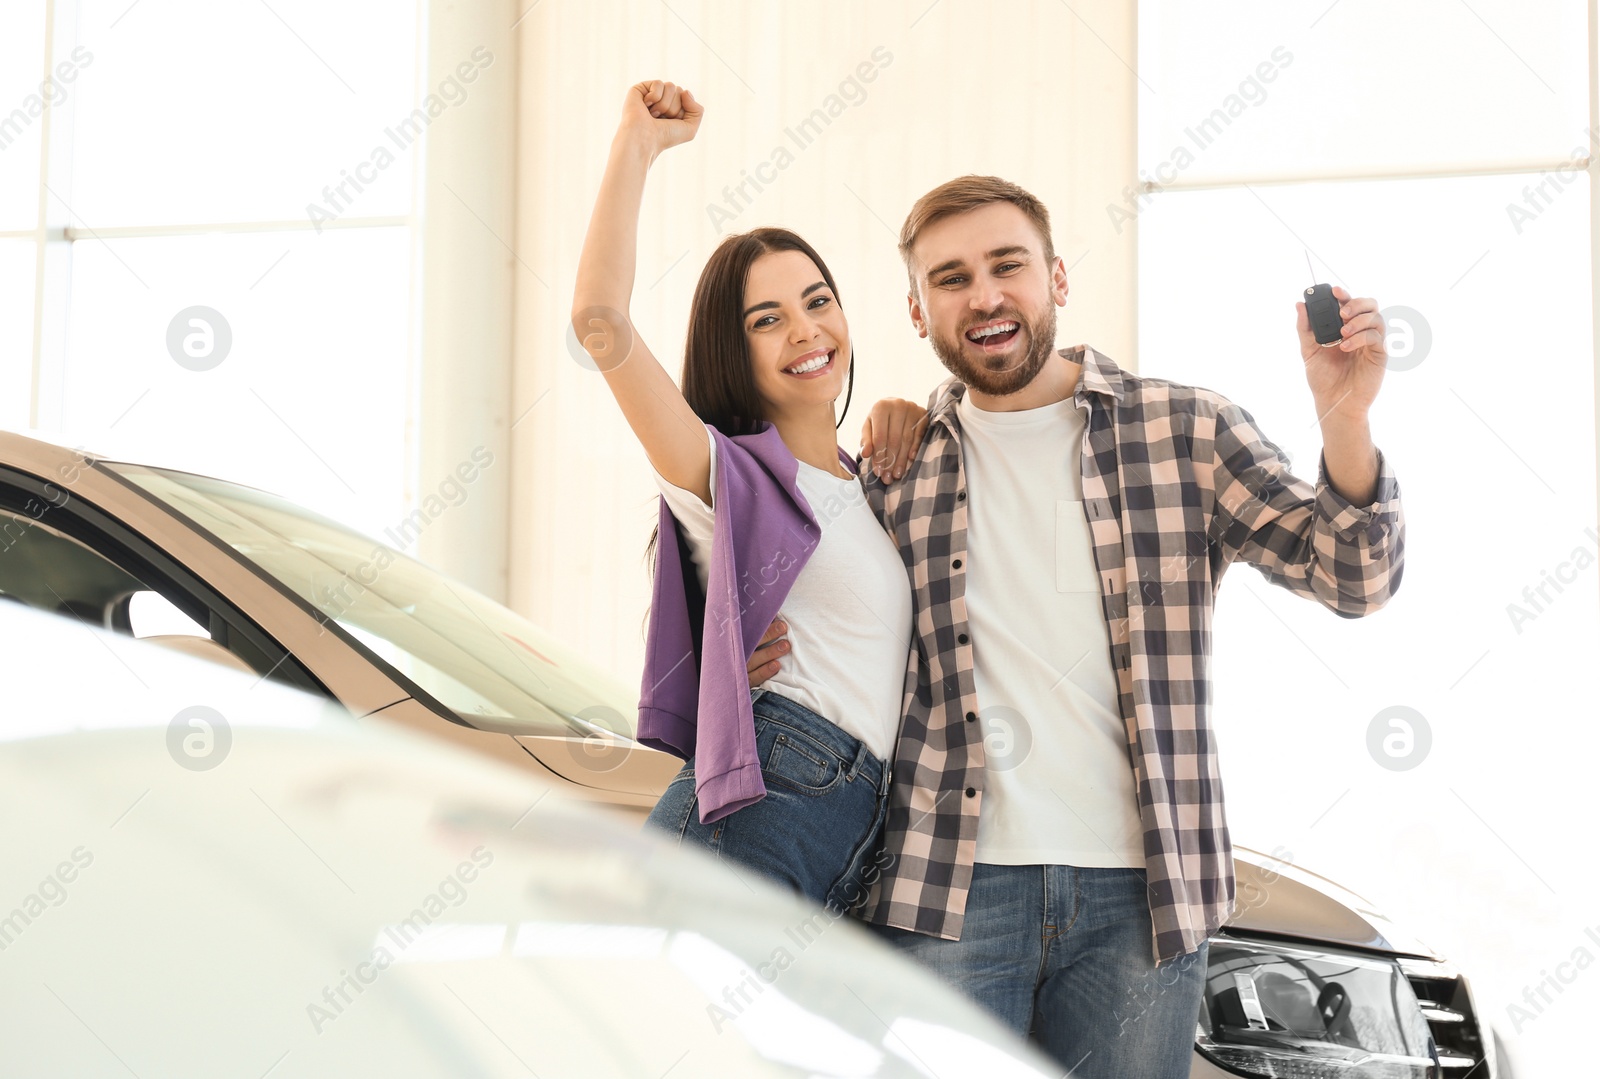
point(1466, 1045)
point(1300, 1013)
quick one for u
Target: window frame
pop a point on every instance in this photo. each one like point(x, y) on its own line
point(125, 549)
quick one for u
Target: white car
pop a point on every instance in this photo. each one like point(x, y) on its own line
point(208, 875)
point(1305, 979)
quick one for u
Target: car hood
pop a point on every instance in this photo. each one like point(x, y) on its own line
point(208, 874)
point(1277, 898)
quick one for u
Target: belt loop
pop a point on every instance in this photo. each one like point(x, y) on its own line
point(863, 754)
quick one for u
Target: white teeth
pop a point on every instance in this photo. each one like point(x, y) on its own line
point(809, 365)
point(990, 331)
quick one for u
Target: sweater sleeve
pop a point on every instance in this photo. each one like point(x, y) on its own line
point(668, 695)
point(727, 765)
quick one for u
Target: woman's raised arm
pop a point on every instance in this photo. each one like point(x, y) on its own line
point(655, 116)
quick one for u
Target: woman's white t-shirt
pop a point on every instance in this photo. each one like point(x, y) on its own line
point(848, 612)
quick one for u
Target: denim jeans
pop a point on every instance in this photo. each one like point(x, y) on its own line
point(1062, 953)
point(820, 822)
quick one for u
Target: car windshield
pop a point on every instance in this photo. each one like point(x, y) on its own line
point(474, 656)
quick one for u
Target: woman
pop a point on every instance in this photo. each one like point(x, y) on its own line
point(790, 779)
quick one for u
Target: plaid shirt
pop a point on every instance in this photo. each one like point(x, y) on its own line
point(1177, 483)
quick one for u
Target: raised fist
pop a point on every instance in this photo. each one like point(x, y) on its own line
point(661, 114)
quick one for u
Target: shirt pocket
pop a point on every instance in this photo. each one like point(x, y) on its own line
point(1075, 568)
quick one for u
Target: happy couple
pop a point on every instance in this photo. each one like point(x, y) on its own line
point(1032, 559)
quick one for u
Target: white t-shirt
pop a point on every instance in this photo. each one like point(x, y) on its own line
point(849, 610)
point(1059, 787)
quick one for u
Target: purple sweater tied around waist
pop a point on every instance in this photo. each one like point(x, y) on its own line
point(694, 700)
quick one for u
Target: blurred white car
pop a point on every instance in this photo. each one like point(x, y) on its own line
point(1306, 979)
point(208, 875)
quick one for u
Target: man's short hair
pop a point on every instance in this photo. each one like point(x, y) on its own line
point(962, 195)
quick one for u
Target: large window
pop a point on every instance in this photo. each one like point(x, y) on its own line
point(206, 239)
point(1431, 156)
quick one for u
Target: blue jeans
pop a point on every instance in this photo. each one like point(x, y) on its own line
point(821, 820)
point(1062, 953)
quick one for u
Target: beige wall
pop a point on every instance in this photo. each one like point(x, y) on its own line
point(466, 292)
point(1028, 90)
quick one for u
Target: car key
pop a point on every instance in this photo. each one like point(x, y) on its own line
point(1323, 311)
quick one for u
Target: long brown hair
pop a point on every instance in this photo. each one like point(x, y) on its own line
point(718, 381)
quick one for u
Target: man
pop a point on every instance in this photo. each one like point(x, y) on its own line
point(1066, 524)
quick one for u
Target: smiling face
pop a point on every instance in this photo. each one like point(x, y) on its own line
point(987, 297)
point(796, 333)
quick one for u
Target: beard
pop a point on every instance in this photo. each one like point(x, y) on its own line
point(1006, 373)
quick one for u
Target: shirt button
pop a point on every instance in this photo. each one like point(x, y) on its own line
point(961, 638)
point(961, 496)
point(956, 564)
point(972, 792)
point(972, 717)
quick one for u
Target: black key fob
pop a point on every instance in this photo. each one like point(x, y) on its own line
point(1323, 311)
